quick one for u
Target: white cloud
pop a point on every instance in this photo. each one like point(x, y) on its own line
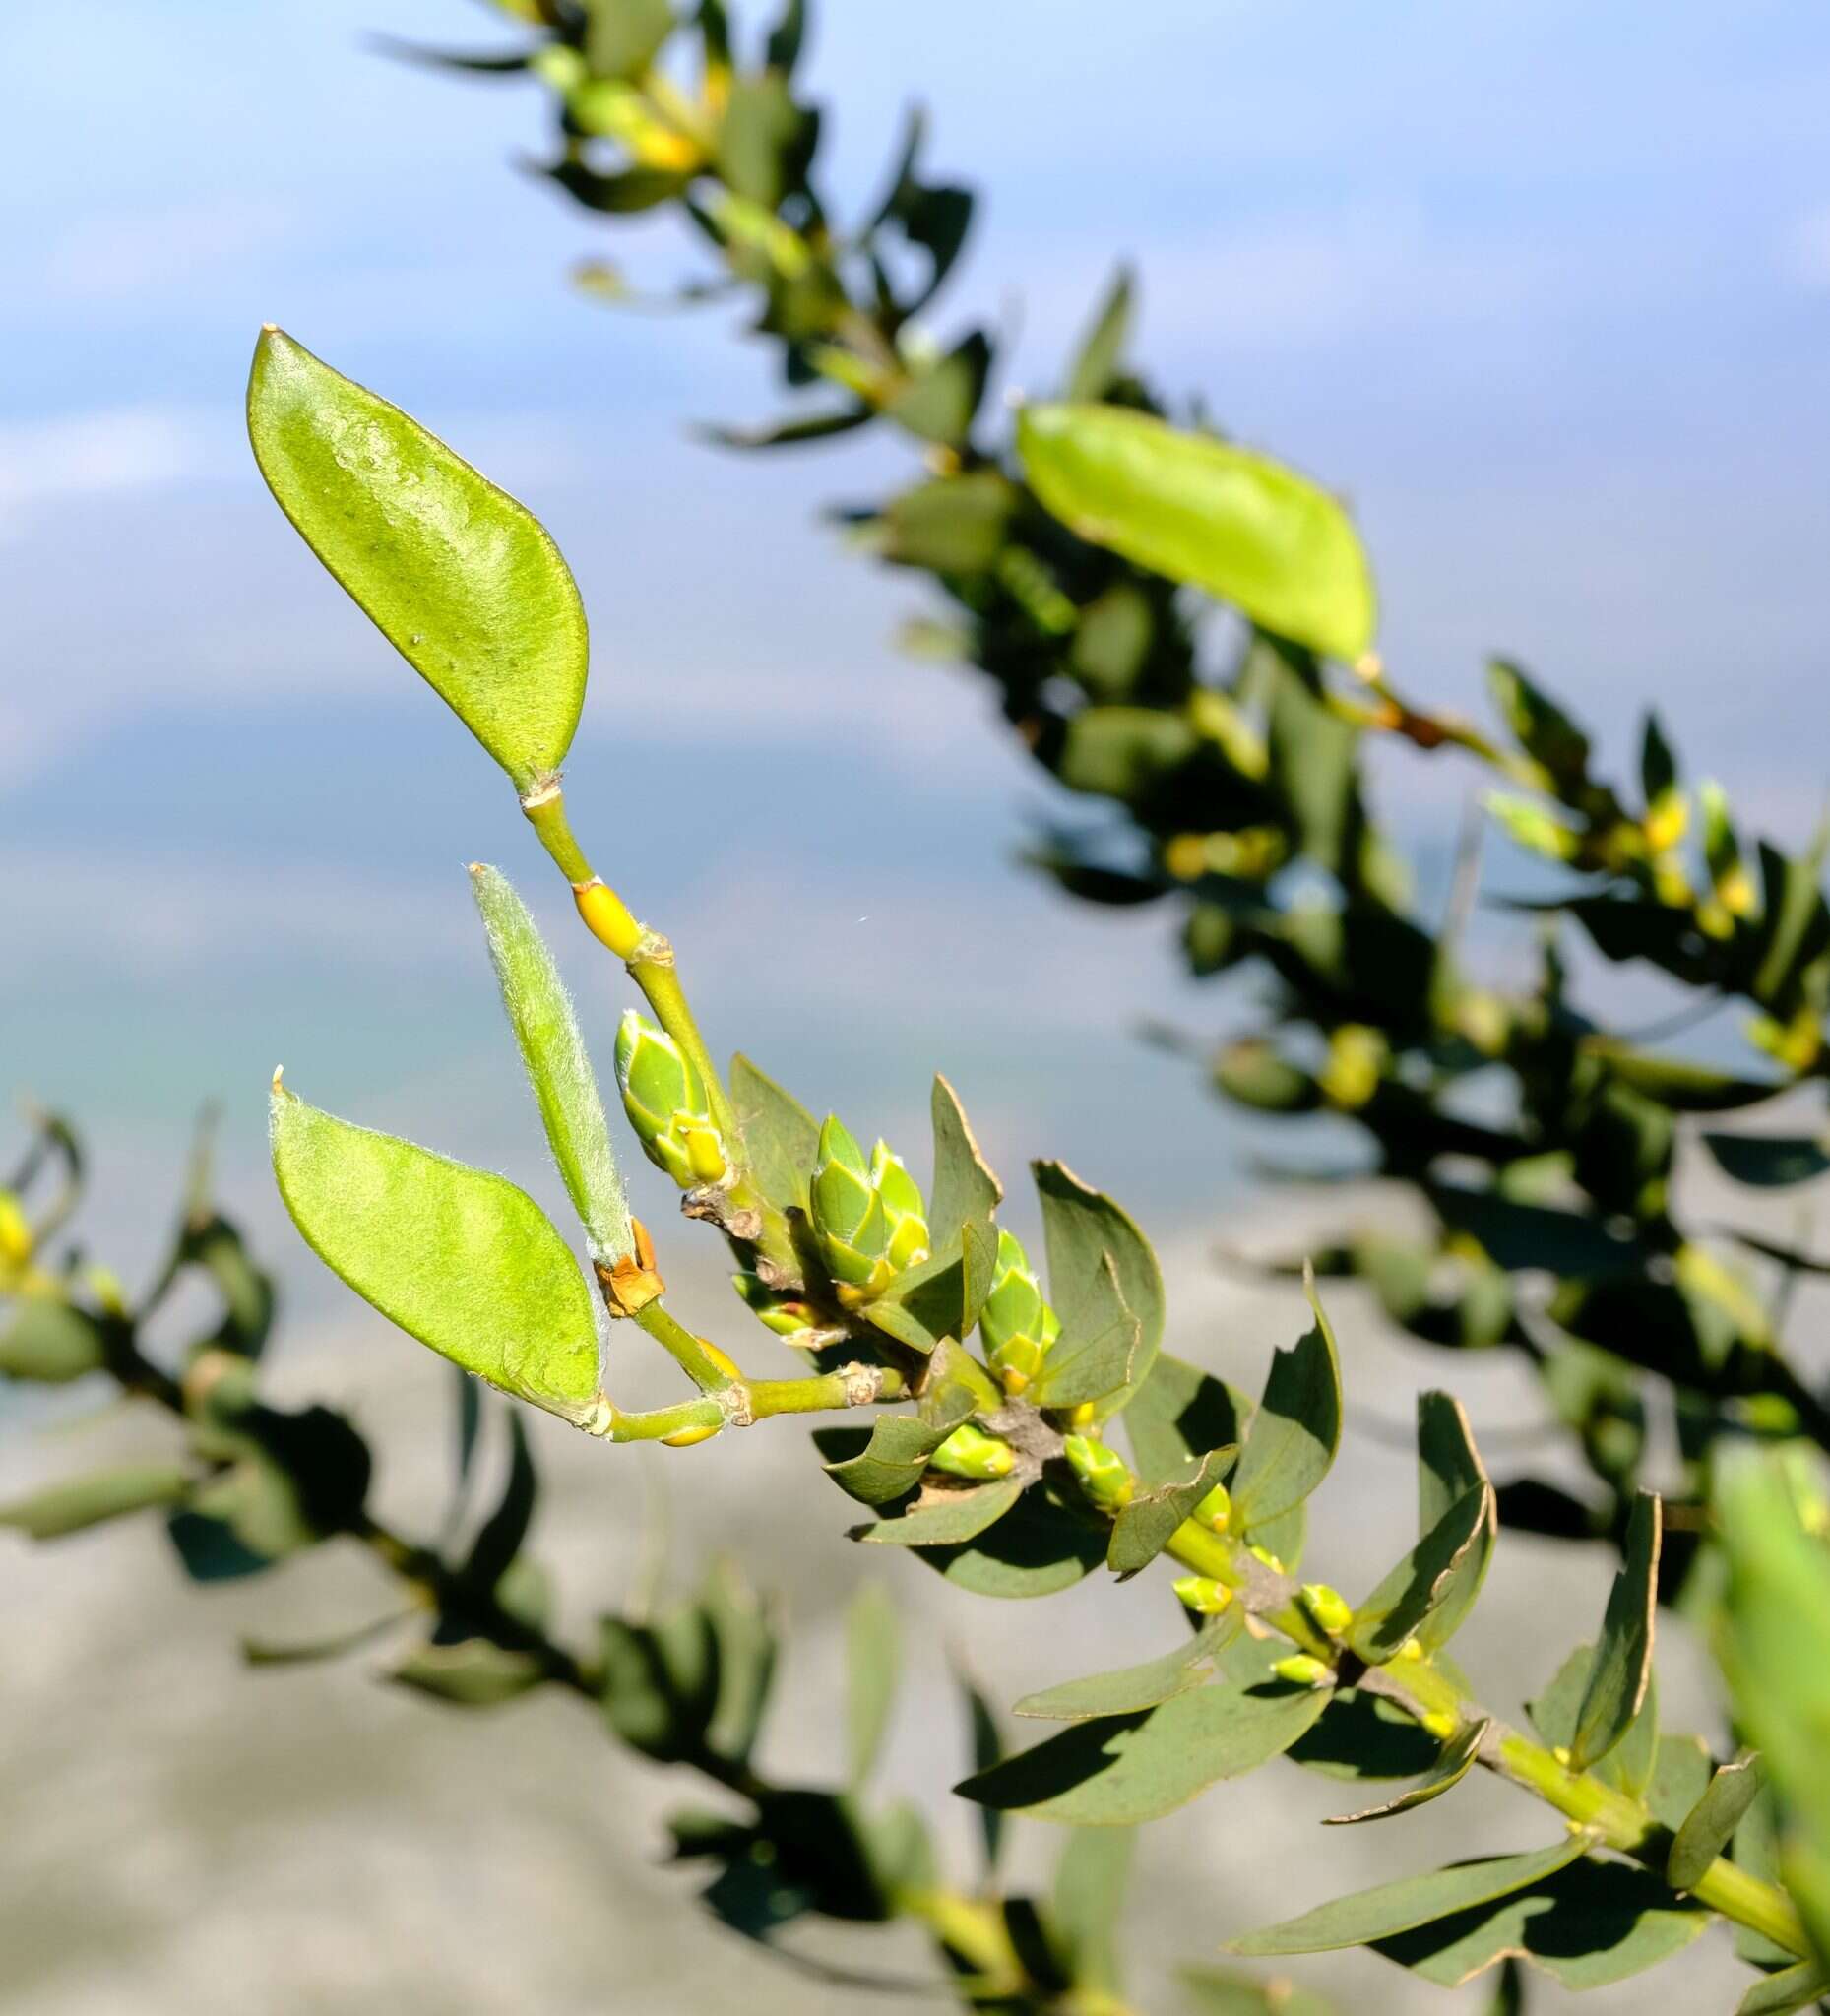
point(97, 454)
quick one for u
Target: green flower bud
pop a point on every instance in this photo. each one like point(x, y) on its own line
point(970, 1452)
point(1016, 1325)
point(1103, 1474)
point(849, 1217)
point(1266, 1558)
point(1202, 1594)
point(664, 1097)
point(1301, 1671)
point(903, 1210)
point(1328, 1607)
point(1215, 1510)
point(781, 1313)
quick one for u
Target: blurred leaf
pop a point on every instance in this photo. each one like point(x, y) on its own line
point(311, 1651)
point(1102, 349)
point(458, 1258)
point(1540, 727)
point(1291, 1444)
point(744, 1635)
point(761, 139)
point(1219, 1991)
point(950, 525)
point(1793, 1987)
point(1148, 1684)
point(540, 1012)
point(1079, 1226)
point(1146, 1524)
point(506, 1529)
point(457, 577)
point(1413, 1901)
point(986, 1748)
point(1457, 1760)
point(790, 433)
point(1710, 1825)
point(873, 1655)
point(1237, 524)
point(1776, 1654)
point(1617, 1681)
point(1591, 1924)
point(623, 37)
point(622, 194)
point(475, 63)
point(939, 404)
point(1086, 1903)
point(51, 1342)
point(1685, 1088)
point(1120, 1770)
point(83, 1501)
point(1768, 1162)
point(473, 1673)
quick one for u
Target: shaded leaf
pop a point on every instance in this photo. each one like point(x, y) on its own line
point(458, 1258)
point(1079, 1226)
point(1244, 528)
point(1710, 1825)
point(459, 579)
point(1291, 1444)
point(1038, 1547)
point(85, 1501)
point(1408, 1598)
point(1360, 1735)
point(964, 1195)
point(1768, 1162)
point(1146, 1524)
point(947, 1515)
point(1449, 1467)
point(781, 1137)
point(1098, 1345)
point(1632, 1763)
point(1179, 1412)
point(894, 1455)
point(506, 1529)
point(1622, 1666)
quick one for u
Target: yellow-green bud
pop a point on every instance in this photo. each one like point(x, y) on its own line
point(1266, 1558)
point(664, 1097)
point(1301, 1670)
point(970, 1452)
point(1202, 1594)
point(1016, 1323)
point(1411, 1647)
point(902, 1207)
point(1215, 1510)
point(1103, 1474)
point(868, 1216)
point(15, 1234)
point(1328, 1607)
point(783, 1314)
point(1357, 1058)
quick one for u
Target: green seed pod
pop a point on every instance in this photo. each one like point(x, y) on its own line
point(665, 1098)
point(1215, 1511)
point(783, 1314)
point(1016, 1325)
point(1202, 1594)
point(1103, 1474)
point(1301, 1671)
point(971, 1453)
point(1328, 1607)
point(902, 1207)
point(848, 1216)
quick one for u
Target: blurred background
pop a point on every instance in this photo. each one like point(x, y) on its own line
point(1544, 289)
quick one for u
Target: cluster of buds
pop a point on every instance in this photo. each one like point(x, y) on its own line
point(1017, 1326)
point(868, 1216)
point(664, 1097)
point(1103, 1474)
point(970, 1452)
point(787, 1316)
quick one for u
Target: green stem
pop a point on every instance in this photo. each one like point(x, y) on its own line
point(711, 1374)
point(742, 1402)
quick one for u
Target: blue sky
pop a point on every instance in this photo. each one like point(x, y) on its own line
point(1544, 289)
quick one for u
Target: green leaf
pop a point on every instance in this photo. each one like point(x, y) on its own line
point(1457, 1760)
point(1710, 1825)
point(947, 1514)
point(1220, 1992)
point(1408, 1598)
point(964, 1194)
point(473, 1673)
point(1632, 1763)
point(893, 1458)
point(1413, 1901)
point(1775, 1650)
point(1133, 1689)
point(1291, 1444)
point(504, 1532)
point(1793, 1987)
point(743, 1633)
point(1146, 1524)
point(1683, 1087)
point(1242, 526)
point(1120, 1770)
point(1449, 1467)
point(1098, 1345)
point(1680, 1774)
point(873, 1658)
point(1766, 1161)
point(458, 1258)
point(950, 525)
point(781, 1137)
point(1102, 349)
point(1589, 1925)
point(1079, 1226)
point(311, 1651)
point(51, 1342)
point(1363, 1736)
point(623, 37)
point(539, 1011)
point(1086, 1903)
point(1041, 1546)
point(457, 577)
point(940, 402)
point(1178, 1412)
point(85, 1501)
point(1622, 1668)
point(987, 1746)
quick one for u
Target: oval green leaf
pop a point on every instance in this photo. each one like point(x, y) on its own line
point(1235, 523)
point(458, 1258)
point(462, 580)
